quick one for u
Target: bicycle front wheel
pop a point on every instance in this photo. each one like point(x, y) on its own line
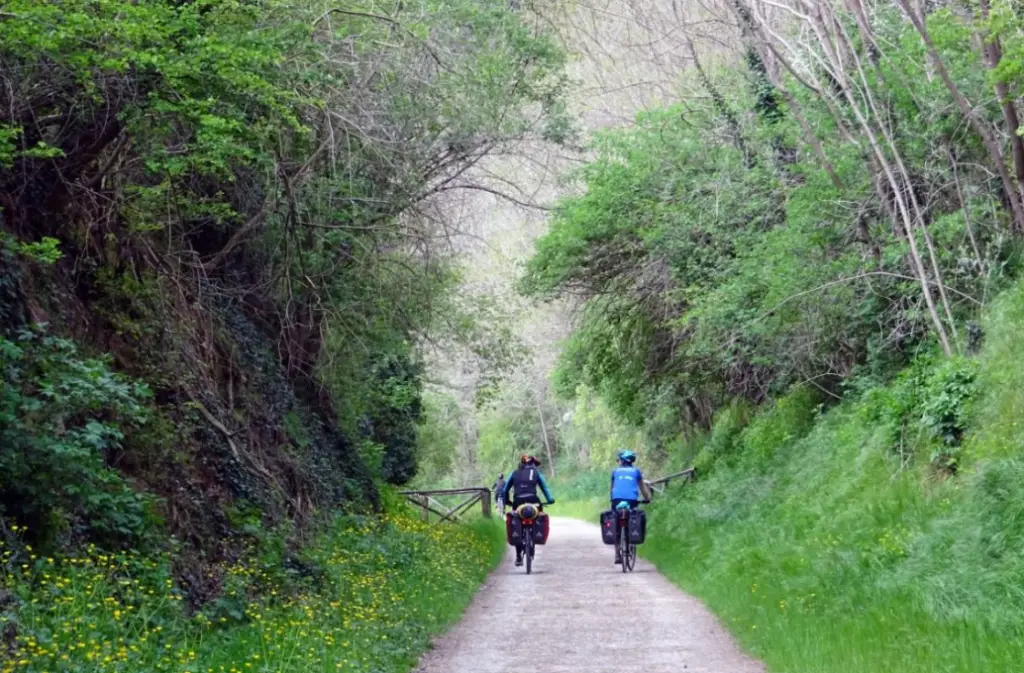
point(624, 548)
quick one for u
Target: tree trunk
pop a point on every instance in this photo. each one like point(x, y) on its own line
point(544, 431)
point(794, 107)
point(993, 50)
point(907, 182)
point(904, 211)
point(987, 138)
point(967, 211)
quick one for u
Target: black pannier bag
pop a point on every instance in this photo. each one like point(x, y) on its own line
point(637, 526)
point(513, 529)
point(609, 527)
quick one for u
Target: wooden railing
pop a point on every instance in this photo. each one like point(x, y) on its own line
point(429, 501)
point(430, 504)
point(688, 474)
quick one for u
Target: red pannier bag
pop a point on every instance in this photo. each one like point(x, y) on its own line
point(541, 528)
point(513, 529)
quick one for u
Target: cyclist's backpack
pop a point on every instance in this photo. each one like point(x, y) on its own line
point(637, 526)
point(609, 527)
point(524, 483)
point(513, 529)
point(541, 528)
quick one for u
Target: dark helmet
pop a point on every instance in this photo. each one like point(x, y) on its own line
point(627, 457)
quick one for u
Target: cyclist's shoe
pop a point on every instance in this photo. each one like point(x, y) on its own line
point(519, 558)
point(618, 559)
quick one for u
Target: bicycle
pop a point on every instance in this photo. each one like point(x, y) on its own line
point(626, 549)
point(529, 546)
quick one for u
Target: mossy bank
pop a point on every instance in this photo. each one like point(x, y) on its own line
point(882, 535)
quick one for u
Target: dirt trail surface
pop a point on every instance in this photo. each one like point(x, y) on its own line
point(589, 618)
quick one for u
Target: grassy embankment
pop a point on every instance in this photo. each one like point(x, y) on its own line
point(842, 542)
point(365, 595)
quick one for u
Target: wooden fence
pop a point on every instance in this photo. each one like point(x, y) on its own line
point(688, 474)
point(429, 502)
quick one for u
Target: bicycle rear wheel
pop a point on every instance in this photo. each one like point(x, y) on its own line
point(624, 548)
point(630, 557)
point(529, 551)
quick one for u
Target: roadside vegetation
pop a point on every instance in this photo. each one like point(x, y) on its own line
point(364, 593)
point(224, 240)
point(879, 534)
point(832, 542)
point(226, 258)
point(804, 279)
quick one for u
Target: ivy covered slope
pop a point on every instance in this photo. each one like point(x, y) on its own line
point(220, 241)
point(883, 535)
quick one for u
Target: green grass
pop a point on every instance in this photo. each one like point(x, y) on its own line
point(827, 548)
point(581, 495)
point(366, 595)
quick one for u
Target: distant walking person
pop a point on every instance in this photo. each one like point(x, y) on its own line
point(499, 490)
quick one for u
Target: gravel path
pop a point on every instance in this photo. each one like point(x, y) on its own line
point(588, 618)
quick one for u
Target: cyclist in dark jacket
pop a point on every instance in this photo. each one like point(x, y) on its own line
point(522, 485)
point(627, 485)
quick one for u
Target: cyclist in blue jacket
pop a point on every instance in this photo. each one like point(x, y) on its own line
point(627, 485)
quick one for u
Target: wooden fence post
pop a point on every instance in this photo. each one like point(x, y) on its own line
point(486, 503)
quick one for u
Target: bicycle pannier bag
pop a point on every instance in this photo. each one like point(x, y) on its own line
point(609, 527)
point(541, 528)
point(637, 526)
point(513, 529)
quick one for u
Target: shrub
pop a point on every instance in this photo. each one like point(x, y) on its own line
point(61, 418)
point(946, 398)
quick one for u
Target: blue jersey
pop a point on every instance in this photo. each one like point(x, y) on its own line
point(626, 483)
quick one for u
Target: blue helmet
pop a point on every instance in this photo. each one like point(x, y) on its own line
point(622, 505)
point(626, 456)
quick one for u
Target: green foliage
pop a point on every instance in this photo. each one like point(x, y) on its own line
point(438, 439)
point(1000, 387)
point(8, 147)
point(925, 407)
point(946, 397)
point(822, 552)
point(721, 443)
point(501, 441)
point(788, 419)
point(251, 141)
point(395, 410)
point(44, 251)
point(592, 435)
point(364, 594)
point(732, 248)
point(62, 421)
